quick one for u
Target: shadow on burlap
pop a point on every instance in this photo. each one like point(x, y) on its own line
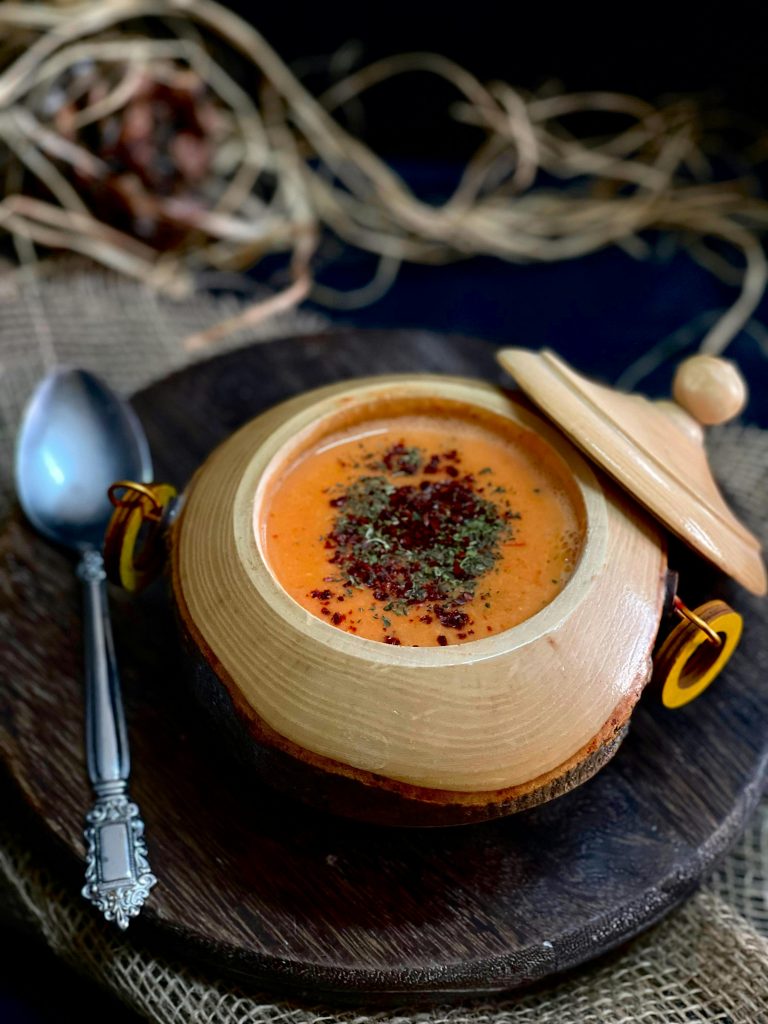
point(707, 962)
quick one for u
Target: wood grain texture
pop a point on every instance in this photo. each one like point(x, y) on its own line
point(255, 884)
point(338, 788)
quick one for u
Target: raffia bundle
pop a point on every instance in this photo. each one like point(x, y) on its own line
point(127, 139)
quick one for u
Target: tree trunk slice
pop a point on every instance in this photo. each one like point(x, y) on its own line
point(255, 885)
point(454, 735)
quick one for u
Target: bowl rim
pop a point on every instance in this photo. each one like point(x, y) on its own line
point(294, 431)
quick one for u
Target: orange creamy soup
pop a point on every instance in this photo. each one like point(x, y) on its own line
point(423, 529)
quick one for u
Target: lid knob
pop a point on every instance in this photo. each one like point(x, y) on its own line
point(712, 390)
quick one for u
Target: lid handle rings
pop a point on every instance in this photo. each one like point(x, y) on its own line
point(696, 651)
point(134, 548)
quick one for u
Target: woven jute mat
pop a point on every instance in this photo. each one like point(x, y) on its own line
point(708, 961)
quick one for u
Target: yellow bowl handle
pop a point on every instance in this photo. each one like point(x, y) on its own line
point(134, 548)
point(696, 651)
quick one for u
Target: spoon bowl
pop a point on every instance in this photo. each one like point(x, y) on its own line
point(77, 438)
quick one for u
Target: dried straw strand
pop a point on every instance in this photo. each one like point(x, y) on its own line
point(650, 174)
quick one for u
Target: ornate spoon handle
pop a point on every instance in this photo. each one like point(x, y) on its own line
point(117, 876)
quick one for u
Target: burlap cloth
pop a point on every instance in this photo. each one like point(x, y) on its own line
point(708, 961)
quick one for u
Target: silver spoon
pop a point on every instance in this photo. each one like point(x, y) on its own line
point(77, 437)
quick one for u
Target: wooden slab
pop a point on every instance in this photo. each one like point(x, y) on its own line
point(254, 885)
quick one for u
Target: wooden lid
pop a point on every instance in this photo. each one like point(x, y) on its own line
point(654, 449)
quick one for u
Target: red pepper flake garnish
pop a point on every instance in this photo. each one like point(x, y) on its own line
point(400, 459)
point(337, 618)
point(462, 636)
point(451, 617)
point(442, 640)
point(392, 640)
point(457, 570)
point(324, 611)
point(425, 544)
point(322, 595)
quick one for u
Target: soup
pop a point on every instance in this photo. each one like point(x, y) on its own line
point(427, 528)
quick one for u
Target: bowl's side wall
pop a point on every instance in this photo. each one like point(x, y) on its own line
point(337, 788)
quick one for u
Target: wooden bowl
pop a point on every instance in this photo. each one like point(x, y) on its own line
point(404, 735)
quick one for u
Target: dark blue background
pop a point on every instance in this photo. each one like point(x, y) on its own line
point(601, 313)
